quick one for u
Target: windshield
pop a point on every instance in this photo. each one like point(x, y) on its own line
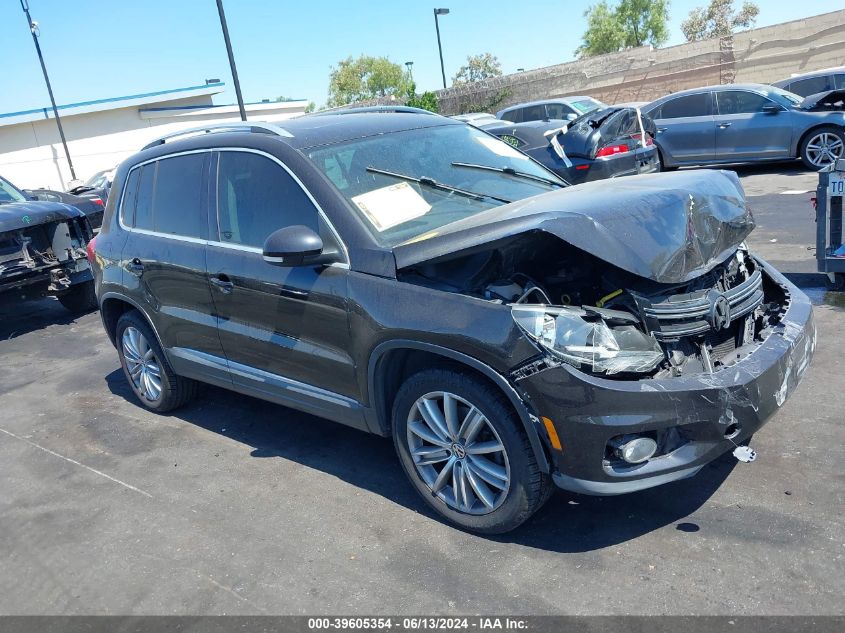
point(10, 193)
point(784, 97)
point(408, 184)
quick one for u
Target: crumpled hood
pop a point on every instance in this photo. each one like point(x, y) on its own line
point(19, 215)
point(670, 227)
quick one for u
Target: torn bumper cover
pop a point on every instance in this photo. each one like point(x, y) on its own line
point(694, 419)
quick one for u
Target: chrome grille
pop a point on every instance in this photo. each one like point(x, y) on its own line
point(690, 314)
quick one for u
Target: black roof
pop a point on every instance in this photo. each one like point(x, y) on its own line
point(327, 129)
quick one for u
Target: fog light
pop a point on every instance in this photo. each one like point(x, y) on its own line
point(635, 450)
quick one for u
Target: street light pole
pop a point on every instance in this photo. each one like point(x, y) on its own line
point(231, 59)
point(33, 28)
point(439, 45)
point(410, 67)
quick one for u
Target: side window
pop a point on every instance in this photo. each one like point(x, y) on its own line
point(533, 113)
point(144, 198)
point(177, 201)
point(256, 196)
point(515, 115)
point(741, 102)
point(810, 86)
point(688, 105)
point(127, 206)
point(557, 110)
point(839, 80)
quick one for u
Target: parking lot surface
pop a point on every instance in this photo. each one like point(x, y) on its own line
point(236, 506)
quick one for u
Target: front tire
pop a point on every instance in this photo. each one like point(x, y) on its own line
point(80, 298)
point(822, 147)
point(463, 447)
point(145, 366)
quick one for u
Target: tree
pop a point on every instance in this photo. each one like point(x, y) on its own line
point(365, 78)
point(628, 24)
point(310, 107)
point(478, 67)
point(718, 19)
point(426, 101)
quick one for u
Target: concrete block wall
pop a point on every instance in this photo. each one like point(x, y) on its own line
point(643, 74)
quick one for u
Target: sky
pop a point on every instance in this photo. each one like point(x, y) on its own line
point(98, 49)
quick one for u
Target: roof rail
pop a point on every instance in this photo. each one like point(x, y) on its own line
point(237, 126)
point(387, 109)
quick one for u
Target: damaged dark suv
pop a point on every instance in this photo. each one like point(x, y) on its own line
point(43, 250)
point(415, 277)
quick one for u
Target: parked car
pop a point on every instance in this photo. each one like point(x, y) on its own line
point(605, 143)
point(43, 250)
point(743, 123)
point(97, 186)
point(92, 206)
point(476, 118)
point(412, 276)
point(564, 108)
point(807, 84)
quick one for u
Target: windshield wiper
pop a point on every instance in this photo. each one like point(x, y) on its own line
point(510, 171)
point(433, 184)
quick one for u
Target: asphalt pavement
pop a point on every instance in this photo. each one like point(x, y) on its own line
point(236, 506)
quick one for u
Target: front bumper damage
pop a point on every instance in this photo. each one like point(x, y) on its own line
point(694, 418)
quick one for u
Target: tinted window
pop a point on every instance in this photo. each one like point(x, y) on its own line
point(144, 199)
point(533, 113)
point(739, 102)
point(688, 105)
point(557, 110)
point(840, 81)
point(127, 208)
point(177, 201)
point(810, 86)
point(255, 196)
point(514, 115)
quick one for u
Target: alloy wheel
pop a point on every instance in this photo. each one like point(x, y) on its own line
point(824, 148)
point(457, 453)
point(141, 363)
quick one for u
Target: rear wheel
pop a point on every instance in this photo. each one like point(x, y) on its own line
point(146, 368)
point(822, 147)
point(462, 446)
point(80, 298)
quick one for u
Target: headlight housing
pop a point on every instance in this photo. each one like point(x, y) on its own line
point(585, 340)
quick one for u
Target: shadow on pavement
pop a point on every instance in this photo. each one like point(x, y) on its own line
point(21, 317)
point(568, 522)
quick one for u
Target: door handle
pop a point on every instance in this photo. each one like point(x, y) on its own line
point(222, 283)
point(135, 266)
point(724, 125)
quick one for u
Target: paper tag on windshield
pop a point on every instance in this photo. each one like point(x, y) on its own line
point(390, 206)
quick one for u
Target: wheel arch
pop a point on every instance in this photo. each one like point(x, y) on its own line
point(113, 306)
point(393, 361)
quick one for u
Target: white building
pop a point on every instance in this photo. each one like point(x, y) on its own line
point(103, 132)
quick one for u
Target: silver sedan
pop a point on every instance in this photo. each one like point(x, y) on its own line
point(743, 123)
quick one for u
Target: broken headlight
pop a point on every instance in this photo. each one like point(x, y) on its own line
point(588, 340)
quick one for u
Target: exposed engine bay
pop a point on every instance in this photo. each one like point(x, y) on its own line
point(51, 253)
point(582, 310)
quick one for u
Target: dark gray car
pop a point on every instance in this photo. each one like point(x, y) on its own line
point(744, 123)
point(812, 83)
point(415, 277)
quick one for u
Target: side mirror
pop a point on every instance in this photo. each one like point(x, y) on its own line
point(292, 246)
point(571, 116)
point(771, 108)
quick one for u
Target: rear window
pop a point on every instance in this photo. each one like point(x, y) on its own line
point(686, 106)
point(514, 115)
point(586, 105)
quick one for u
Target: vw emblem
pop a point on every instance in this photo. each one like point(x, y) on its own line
point(720, 313)
point(458, 451)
